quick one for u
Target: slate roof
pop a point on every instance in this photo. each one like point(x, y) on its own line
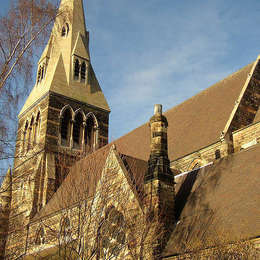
point(195, 123)
point(83, 177)
point(220, 200)
point(80, 183)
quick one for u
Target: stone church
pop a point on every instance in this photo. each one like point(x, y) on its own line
point(176, 187)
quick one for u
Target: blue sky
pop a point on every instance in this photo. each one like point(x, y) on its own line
point(165, 51)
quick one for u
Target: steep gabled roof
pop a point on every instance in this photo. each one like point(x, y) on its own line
point(195, 123)
point(220, 201)
point(79, 184)
point(60, 53)
point(85, 174)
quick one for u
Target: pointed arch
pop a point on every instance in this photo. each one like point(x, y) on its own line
point(30, 133)
point(78, 130)
point(37, 127)
point(91, 133)
point(76, 69)
point(197, 163)
point(63, 31)
point(66, 117)
point(83, 71)
point(67, 107)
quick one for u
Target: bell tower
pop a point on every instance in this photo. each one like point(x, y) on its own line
point(65, 117)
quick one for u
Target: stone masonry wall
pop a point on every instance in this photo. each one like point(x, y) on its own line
point(246, 136)
point(202, 157)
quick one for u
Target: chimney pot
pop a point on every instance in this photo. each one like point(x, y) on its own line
point(157, 109)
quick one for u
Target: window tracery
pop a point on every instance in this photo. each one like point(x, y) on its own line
point(78, 132)
point(111, 234)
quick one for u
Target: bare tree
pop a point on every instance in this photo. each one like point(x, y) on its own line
point(24, 30)
point(101, 215)
point(218, 245)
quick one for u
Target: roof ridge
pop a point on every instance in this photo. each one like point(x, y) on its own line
point(189, 99)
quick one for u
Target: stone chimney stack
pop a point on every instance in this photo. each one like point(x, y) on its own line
point(159, 164)
point(159, 184)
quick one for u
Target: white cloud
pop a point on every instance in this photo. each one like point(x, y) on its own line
point(162, 52)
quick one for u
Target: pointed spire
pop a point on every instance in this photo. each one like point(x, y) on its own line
point(68, 43)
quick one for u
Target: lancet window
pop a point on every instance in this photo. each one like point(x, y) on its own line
point(83, 71)
point(30, 134)
point(89, 134)
point(76, 69)
point(80, 70)
point(65, 127)
point(37, 128)
point(25, 133)
point(78, 131)
point(65, 30)
point(41, 73)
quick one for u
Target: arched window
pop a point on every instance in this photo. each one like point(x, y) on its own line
point(89, 134)
point(25, 133)
point(65, 127)
point(111, 235)
point(217, 154)
point(63, 31)
point(31, 130)
point(76, 69)
point(39, 74)
point(42, 73)
point(37, 128)
point(77, 131)
point(83, 71)
point(65, 230)
point(40, 236)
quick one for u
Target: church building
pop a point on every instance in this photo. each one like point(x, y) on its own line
point(185, 185)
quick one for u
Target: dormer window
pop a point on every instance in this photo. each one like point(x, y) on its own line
point(76, 69)
point(65, 30)
point(83, 72)
point(80, 70)
point(41, 72)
